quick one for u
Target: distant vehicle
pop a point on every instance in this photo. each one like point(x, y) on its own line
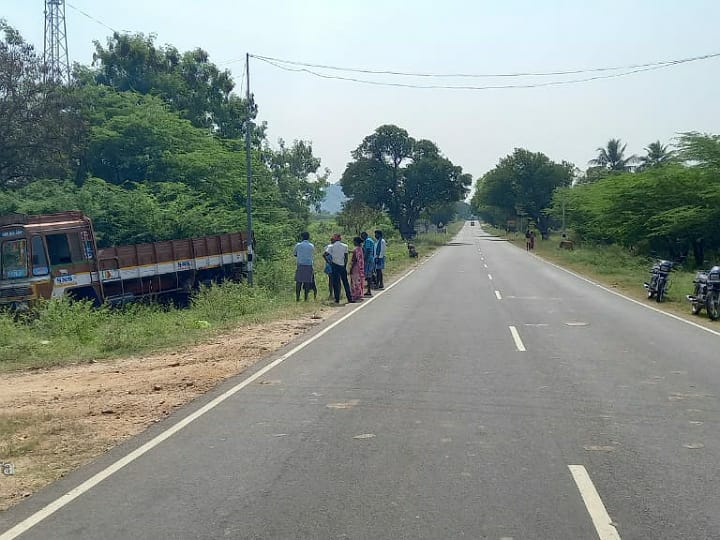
point(52, 255)
point(472, 223)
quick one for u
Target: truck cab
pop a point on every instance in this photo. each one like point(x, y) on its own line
point(45, 257)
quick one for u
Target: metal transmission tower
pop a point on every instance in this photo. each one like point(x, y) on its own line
point(57, 61)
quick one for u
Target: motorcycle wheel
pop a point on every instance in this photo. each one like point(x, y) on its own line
point(696, 306)
point(660, 294)
point(650, 293)
point(711, 304)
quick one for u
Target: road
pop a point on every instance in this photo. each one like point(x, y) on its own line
point(487, 394)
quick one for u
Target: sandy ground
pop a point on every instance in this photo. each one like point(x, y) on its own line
point(53, 421)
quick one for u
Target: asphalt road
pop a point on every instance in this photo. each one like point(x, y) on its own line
point(420, 416)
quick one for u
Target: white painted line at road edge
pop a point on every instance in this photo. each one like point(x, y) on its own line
point(94, 480)
point(497, 295)
point(516, 339)
point(595, 507)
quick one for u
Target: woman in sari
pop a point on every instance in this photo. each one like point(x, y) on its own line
point(357, 270)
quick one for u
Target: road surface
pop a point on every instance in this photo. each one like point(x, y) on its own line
point(486, 395)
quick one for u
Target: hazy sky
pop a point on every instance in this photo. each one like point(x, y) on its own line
point(473, 128)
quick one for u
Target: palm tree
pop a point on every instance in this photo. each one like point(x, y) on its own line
point(613, 157)
point(657, 154)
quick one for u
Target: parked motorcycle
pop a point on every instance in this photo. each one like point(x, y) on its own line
point(659, 282)
point(706, 293)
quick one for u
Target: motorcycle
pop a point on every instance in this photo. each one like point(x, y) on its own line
point(706, 293)
point(659, 282)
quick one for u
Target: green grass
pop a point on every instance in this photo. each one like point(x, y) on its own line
point(62, 332)
point(614, 267)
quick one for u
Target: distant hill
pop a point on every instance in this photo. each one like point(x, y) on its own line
point(334, 197)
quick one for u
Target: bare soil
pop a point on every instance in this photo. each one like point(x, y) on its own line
point(53, 421)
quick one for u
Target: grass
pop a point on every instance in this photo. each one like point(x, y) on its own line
point(614, 267)
point(63, 332)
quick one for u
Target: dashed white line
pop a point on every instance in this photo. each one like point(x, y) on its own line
point(490, 277)
point(497, 295)
point(595, 507)
point(516, 338)
point(485, 265)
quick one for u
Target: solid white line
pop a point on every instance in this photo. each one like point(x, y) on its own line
point(600, 518)
point(583, 278)
point(490, 277)
point(91, 482)
point(516, 338)
point(497, 295)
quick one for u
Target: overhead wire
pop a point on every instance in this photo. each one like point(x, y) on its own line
point(483, 75)
point(92, 18)
point(650, 67)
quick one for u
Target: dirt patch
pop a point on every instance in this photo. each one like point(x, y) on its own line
point(53, 421)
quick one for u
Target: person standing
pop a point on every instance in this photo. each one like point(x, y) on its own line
point(304, 273)
point(357, 270)
point(338, 257)
point(369, 256)
point(380, 247)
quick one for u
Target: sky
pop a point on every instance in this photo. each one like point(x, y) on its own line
point(474, 129)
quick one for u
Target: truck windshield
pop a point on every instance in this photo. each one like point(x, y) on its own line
point(14, 259)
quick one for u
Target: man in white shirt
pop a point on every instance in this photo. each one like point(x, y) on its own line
point(337, 255)
point(304, 274)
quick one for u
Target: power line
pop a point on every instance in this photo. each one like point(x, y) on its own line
point(659, 63)
point(92, 18)
point(652, 67)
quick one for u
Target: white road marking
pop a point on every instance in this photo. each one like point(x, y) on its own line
point(485, 265)
point(94, 480)
point(516, 338)
point(490, 277)
point(595, 507)
point(497, 295)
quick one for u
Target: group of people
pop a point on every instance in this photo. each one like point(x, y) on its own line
point(367, 262)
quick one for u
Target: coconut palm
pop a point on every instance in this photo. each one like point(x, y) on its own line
point(657, 154)
point(613, 157)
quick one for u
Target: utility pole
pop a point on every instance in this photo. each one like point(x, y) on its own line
point(248, 161)
point(55, 55)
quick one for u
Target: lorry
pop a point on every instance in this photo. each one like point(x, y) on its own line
point(54, 255)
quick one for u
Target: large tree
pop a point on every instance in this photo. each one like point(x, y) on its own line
point(522, 182)
point(612, 157)
point(394, 172)
point(39, 123)
point(188, 82)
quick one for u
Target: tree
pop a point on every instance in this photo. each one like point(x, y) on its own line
point(612, 157)
point(40, 126)
point(394, 172)
point(657, 154)
point(295, 172)
point(700, 149)
point(522, 182)
point(188, 82)
point(357, 217)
